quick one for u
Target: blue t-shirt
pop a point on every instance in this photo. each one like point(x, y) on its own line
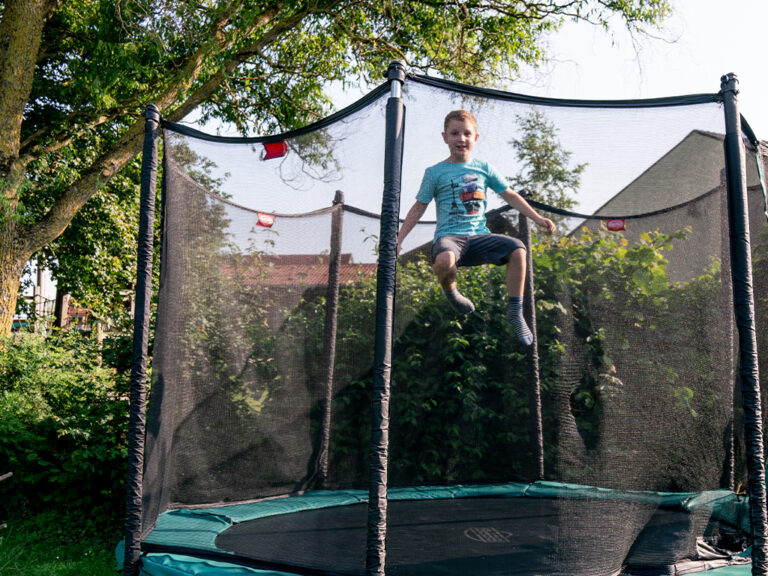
point(458, 189)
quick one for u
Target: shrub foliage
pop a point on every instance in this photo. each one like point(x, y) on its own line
point(63, 424)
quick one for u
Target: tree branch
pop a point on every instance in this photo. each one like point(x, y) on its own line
point(186, 73)
point(38, 149)
point(204, 91)
point(55, 221)
point(35, 236)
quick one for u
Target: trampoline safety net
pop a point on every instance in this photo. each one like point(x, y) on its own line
point(612, 446)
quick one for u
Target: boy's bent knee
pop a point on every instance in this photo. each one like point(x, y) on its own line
point(444, 262)
point(517, 255)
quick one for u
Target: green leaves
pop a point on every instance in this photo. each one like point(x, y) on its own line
point(607, 305)
point(63, 423)
point(547, 172)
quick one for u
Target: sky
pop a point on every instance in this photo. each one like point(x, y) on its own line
point(700, 42)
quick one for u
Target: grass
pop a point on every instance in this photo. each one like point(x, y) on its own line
point(37, 547)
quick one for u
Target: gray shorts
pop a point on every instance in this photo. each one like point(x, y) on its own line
point(478, 249)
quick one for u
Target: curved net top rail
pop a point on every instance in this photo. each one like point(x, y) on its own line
point(683, 100)
point(616, 142)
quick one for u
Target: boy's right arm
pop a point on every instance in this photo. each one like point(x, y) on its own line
point(413, 216)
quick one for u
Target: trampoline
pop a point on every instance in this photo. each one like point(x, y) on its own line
point(494, 529)
point(318, 409)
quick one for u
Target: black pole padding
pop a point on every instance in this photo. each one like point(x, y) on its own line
point(329, 334)
point(532, 353)
point(138, 390)
point(385, 307)
point(727, 361)
point(744, 310)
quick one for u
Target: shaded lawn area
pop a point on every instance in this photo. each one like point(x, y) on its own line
point(36, 547)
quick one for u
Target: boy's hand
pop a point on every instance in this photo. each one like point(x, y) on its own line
point(546, 224)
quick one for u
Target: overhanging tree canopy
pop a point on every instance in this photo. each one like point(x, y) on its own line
point(76, 76)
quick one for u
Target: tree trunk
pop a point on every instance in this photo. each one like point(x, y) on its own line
point(11, 268)
point(61, 310)
point(21, 30)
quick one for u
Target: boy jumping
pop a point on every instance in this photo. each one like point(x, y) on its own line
point(458, 185)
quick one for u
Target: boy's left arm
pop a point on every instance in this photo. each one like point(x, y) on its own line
point(518, 203)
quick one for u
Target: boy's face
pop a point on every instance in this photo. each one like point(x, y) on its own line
point(460, 136)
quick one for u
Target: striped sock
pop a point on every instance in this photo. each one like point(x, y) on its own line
point(461, 303)
point(515, 317)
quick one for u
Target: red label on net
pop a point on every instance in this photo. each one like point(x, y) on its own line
point(616, 224)
point(275, 149)
point(265, 220)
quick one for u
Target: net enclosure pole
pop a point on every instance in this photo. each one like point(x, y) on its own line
point(744, 312)
point(727, 363)
point(138, 390)
point(385, 307)
point(329, 332)
point(532, 352)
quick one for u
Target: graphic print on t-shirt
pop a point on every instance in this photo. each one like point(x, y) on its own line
point(470, 194)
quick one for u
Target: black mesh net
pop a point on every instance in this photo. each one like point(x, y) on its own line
point(635, 334)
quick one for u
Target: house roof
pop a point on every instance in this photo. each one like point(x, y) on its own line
point(296, 269)
point(689, 169)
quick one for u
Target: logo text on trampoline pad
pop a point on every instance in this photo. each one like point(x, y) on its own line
point(488, 535)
